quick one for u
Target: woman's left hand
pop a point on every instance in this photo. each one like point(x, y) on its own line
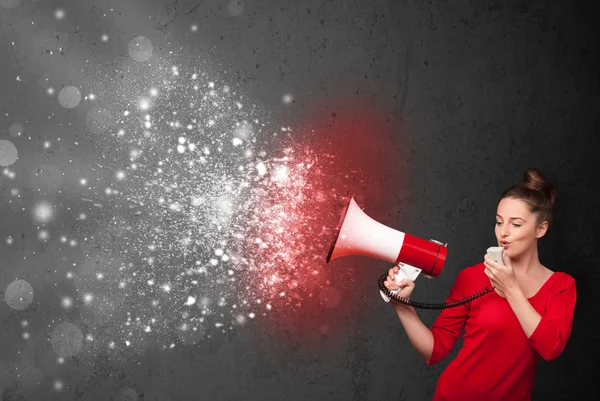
point(502, 277)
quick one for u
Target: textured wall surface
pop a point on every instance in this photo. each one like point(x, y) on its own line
point(454, 101)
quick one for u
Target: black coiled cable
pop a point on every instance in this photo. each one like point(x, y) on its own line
point(424, 305)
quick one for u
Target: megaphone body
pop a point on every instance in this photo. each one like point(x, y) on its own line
point(359, 234)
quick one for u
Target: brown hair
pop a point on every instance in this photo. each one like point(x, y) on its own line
point(537, 193)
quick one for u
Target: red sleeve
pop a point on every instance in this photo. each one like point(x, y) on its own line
point(552, 333)
point(450, 322)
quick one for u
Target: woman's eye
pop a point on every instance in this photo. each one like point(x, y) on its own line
point(498, 223)
point(517, 225)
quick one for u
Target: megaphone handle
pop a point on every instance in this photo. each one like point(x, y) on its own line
point(401, 275)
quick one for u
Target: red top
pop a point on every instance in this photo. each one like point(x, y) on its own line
point(497, 361)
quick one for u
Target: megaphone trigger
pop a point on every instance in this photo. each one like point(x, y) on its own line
point(404, 272)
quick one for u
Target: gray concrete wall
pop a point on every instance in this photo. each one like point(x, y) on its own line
point(437, 106)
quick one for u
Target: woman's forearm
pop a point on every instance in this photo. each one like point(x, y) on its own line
point(419, 335)
point(526, 314)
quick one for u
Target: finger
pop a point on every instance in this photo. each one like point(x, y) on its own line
point(407, 283)
point(489, 260)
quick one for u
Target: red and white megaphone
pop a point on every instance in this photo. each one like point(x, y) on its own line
point(359, 234)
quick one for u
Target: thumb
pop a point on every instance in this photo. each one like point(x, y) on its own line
point(506, 259)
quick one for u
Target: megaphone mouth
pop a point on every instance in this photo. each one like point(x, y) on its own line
point(338, 228)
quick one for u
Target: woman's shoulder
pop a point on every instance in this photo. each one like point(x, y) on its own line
point(473, 274)
point(562, 280)
point(475, 270)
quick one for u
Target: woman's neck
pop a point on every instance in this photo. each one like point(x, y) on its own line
point(527, 263)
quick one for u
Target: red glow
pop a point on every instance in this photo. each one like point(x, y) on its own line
point(335, 154)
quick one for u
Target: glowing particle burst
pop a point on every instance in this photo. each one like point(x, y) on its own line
point(205, 216)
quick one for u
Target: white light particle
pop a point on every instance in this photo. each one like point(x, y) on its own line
point(43, 212)
point(261, 168)
point(59, 14)
point(66, 302)
point(144, 104)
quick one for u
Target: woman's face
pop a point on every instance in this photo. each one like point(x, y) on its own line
point(516, 228)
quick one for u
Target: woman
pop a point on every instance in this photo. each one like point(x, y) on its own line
point(528, 315)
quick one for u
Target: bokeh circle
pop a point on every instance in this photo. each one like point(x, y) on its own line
point(19, 294)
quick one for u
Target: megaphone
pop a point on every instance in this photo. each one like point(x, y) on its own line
point(359, 234)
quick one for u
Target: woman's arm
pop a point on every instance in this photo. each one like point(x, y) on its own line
point(547, 333)
point(418, 334)
point(435, 344)
point(527, 315)
point(552, 330)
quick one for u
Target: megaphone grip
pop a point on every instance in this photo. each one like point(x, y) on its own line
point(424, 305)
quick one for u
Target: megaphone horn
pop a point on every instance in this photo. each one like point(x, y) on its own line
point(359, 234)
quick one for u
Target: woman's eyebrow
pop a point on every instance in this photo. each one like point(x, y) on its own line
point(512, 218)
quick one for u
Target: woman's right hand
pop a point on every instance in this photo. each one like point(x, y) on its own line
point(406, 284)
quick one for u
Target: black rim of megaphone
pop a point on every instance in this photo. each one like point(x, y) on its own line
point(425, 305)
point(338, 229)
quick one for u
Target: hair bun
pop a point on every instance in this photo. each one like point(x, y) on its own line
point(535, 181)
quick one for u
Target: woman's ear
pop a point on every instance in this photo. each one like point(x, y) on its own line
point(541, 229)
